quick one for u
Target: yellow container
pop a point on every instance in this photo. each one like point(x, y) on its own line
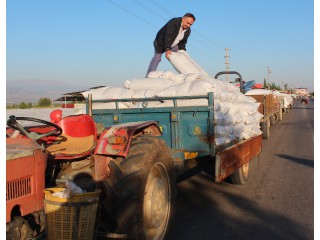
point(70, 218)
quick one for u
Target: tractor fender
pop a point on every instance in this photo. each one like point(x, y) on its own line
point(116, 139)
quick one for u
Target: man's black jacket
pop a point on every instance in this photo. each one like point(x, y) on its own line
point(168, 33)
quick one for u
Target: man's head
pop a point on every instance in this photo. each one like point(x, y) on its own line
point(187, 20)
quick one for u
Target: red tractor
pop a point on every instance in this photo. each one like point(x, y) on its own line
point(137, 202)
point(26, 162)
point(35, 156)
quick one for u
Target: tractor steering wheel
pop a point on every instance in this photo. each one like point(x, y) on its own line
point(12, 122)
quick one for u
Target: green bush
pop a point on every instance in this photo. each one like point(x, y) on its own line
point(44, 102)
point(24, 105)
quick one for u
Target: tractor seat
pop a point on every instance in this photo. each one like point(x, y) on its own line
point(78, 138)
point(71, 145)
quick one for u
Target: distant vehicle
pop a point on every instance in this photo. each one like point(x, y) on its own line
point(305, 100)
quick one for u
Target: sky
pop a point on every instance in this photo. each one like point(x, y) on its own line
point(105, 42)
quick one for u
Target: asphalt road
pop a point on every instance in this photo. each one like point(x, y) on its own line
point(276, 203)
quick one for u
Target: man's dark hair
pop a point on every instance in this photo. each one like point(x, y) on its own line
point(190, 15)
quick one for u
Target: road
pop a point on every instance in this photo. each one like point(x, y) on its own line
point(276, 203)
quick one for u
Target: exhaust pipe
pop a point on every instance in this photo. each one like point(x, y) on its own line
point(90, 104)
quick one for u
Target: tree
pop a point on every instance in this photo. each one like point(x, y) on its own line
point(44, 102)
point(24, 105)
point(265, 86)
point(274, 86)
point(285, 86)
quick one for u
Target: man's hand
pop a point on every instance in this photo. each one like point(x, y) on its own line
point(168, 53)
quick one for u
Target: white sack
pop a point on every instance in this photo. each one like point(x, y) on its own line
point(189, 77)
point(250, 130)
point(222, 119)
point(154, 84)
point(222, 140)
point(143, 93)
point(248, 107)
point(110, 93)
point(194, 88)
point(110, 105)
point(192, 102)
point(234, 118)
point(162, 74)
point(258, 92)
point(223, 131)
point(182, 62)
point(97, 93)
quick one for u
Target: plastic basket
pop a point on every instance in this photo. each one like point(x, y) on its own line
point(70, 218)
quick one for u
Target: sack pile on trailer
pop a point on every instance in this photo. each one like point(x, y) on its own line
point(236, 115)
point(287, 98)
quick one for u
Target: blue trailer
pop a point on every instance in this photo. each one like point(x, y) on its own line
point(141, 152)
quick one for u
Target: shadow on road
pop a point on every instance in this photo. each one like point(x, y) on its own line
point(303, 161)
point(208, 210)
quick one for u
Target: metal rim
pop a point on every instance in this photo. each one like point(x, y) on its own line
point(156, 204)
point(245, 170)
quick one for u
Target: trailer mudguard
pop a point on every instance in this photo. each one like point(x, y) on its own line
point(232, 158)
point(115, 140)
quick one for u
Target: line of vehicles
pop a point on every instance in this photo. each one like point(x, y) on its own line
point(133, 156)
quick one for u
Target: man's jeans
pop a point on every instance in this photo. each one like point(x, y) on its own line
point(157, 59)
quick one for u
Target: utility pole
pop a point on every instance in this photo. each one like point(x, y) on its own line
point(227, 63)
point(269, 71)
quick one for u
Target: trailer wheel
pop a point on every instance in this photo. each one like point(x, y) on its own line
point(265, 128)
point(273, 119)
point(241, 175)
point(142, 185)
point(276, 117)
point(280, 114)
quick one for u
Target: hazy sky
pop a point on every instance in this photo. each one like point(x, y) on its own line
point(105, 42)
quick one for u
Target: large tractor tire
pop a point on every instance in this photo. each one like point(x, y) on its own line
point(265, 128)
point(241, 175)
point(140, 191)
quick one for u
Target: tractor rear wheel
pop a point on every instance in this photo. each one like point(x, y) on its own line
point(142, 187)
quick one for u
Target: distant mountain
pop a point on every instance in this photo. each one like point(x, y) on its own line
point(32, 90)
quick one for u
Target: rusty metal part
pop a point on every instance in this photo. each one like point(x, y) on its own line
point(101, 167)
point(269, 105)
point(230, 159)
point(127, 131)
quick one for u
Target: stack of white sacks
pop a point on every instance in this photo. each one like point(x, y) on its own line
point(287, 98)
point(236, 115)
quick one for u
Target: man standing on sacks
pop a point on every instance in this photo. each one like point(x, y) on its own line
point(170, 38)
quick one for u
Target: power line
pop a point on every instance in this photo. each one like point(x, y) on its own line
point(132, 13)
point(163, 9)
point(203, 39)
point(149, 9)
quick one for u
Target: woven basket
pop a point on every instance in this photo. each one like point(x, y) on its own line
point(70, 218)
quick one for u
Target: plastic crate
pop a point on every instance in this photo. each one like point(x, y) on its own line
point(70, 218)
